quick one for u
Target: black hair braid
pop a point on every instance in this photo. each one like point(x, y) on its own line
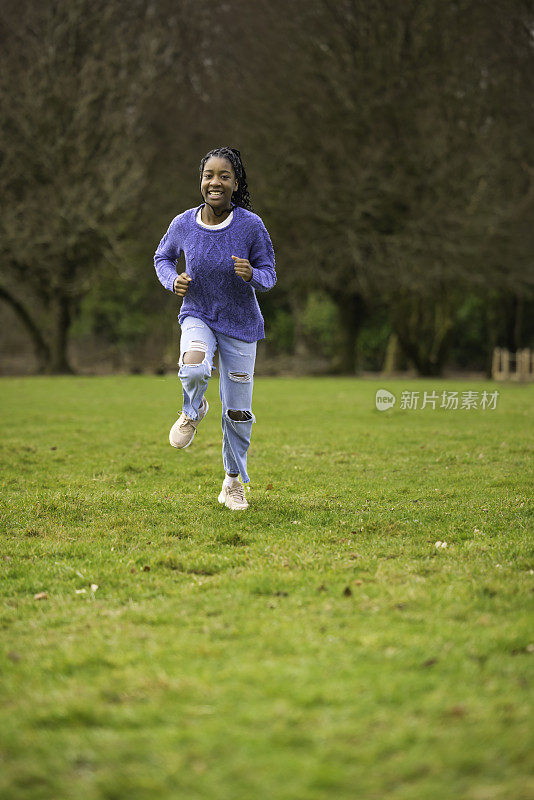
point(241, 197)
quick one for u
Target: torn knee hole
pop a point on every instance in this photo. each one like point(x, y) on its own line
point(196, 354)
point(240, 416)
point(239, 377)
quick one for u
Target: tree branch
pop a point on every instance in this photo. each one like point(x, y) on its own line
point(42, 351)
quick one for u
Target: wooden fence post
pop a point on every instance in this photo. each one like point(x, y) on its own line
point(523, 363)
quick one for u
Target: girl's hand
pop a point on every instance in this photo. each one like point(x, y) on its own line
point(181, 284)
point(242, 268)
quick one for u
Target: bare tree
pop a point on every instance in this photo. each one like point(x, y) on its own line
point(395, 132)
point(76, 81)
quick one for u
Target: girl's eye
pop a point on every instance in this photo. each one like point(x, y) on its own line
point(208, 176)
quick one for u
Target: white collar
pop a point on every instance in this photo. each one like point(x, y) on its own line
point(217, 227)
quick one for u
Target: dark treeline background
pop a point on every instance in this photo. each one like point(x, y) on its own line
point(388, 147)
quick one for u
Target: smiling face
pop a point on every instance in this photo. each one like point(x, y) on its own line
point(218, 182)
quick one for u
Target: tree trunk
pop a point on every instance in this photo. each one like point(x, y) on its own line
point(351, 313)
point(424, 327)
point(300, 345)
point(393, 360)
point(41, 349)
point(493, 328)
point(518, 322)
point(59, 363)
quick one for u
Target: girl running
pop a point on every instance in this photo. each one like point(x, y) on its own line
point(229, 257)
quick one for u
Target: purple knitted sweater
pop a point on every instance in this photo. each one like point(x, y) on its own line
point(216, 294)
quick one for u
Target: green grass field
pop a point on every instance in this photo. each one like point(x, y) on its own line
point(317, 646)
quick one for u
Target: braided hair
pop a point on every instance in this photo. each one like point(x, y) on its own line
point(241, 197)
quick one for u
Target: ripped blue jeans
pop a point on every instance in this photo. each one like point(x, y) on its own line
point(236, 373)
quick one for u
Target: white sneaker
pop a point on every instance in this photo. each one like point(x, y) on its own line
point(183, 431)
point(233, 496)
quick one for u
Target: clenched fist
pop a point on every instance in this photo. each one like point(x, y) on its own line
point(181, 284)
point(242, 268)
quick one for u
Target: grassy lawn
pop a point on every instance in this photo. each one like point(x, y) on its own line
point(317, 646)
